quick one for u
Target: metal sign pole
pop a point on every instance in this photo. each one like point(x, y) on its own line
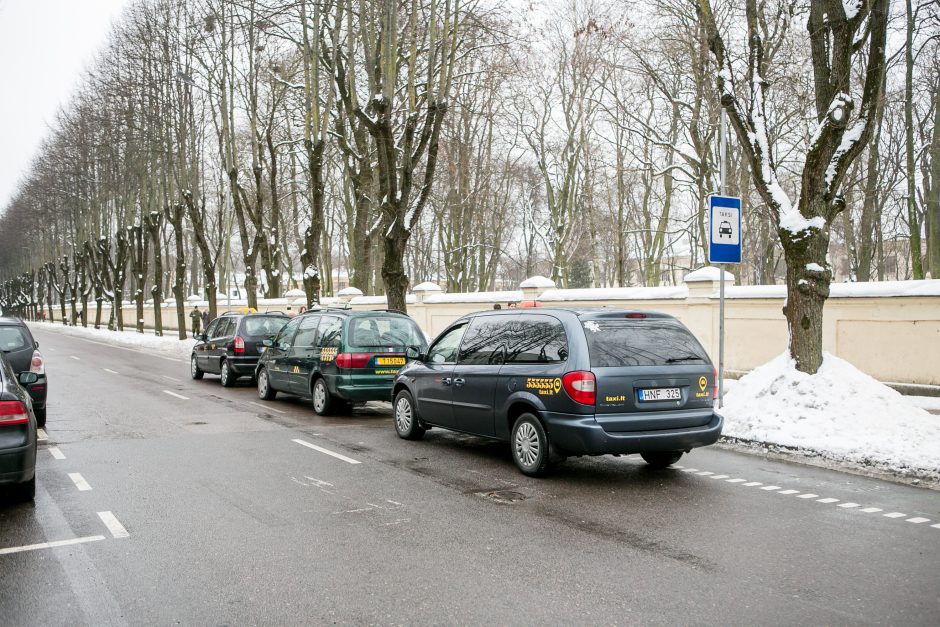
point(722, 149)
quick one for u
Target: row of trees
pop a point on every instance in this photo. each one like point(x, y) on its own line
point(461, 141)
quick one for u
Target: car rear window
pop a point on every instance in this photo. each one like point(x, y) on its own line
point(384, 332)
point(263, 325)
point(646, 342)
point(13, 338)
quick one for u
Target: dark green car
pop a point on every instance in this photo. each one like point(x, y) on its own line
point(337, 357)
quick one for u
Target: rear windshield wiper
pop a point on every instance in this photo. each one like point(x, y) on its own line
point(673, 360)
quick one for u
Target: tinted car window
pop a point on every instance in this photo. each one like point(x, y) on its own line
point(486, 340)
point(213, 326)
point(13, 338)
point(307, 333)
point(648, 342)
point(445, 348)
point(262, 325)
point(535, 339)
point(384, 332)
point(284, 337)
point(331, 332)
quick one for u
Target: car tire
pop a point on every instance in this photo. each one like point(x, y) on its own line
point(194, 370)
point(661, 459)
point(407, 425)
point(265, 391)
point(321, 397)
point(40, 413)
point(225, 375)
point(26, 491)
point(531, 450)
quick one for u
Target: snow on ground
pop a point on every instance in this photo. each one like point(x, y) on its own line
point(168, 345)
point(840, 414)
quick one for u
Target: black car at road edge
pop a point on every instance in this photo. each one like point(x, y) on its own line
point(17, 433)
point(232, 343)
point(562, 382)
point(22, 352)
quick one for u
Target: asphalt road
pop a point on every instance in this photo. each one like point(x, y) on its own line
point(167, 500)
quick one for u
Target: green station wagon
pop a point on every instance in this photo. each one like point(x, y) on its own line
point(337, 357)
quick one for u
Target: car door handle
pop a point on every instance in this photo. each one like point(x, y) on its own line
point(446, 380)
point(459, 382)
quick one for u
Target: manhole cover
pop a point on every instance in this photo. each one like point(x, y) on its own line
point(502, 496)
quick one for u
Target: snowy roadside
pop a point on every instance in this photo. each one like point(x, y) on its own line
point(840, 417)
point(168, 345)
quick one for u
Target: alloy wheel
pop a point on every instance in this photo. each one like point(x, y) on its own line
point(403, 415)
point(527, 444)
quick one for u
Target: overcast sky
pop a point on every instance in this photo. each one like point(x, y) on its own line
point(44, 47)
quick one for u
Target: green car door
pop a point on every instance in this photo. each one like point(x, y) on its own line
point(304, 355)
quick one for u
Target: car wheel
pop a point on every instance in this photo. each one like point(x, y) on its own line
point(194, 370)
point(661, 459)
point(265, 391)
point(40, 416)
point(406, 419)
point(228, 379)
point(322, 399)
point(530, 446)
point(26, 491)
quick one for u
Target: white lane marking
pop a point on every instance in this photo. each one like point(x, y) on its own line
point(175, 395)
point(75, 358)
point(895, 515)
point(319, 482)
point(109, 370)
point(808, 495)
point(41, 435)
point(937, 526)
point(690, 470)
point(736, 480)
point(56, 452)
point(705, 473)
point(827, 500)
point(677, 466)
point(348, 460)
point(49, 545)
point(871, 510)
point(171, 378)
point(770, 487)
point(266, 408)
point(719, 477)
point(751, 484)
point(917, 520)
point(113, 524)
point(124, 348)
point(79, 481)
point(848, 505)
point(789, 492)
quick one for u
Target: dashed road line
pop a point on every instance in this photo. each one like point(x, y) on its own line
point(41, 435)
point(169, 378)
point(348, 460)
point(751, 484)
point(54, 450)
point(175, 395)
point(75, 358)
point(267, 408)
point(788, 492)
point(79, 481)
point(690, 470)
point(895, 515)
point(937, 526)
point(109, 370)
point(827, 500)
point(718, 477)
point(917, 520)
point(770, 488)
point(49, 545)
point(808, 495)
point(848, 505)
point(871, 510)
point(736, 480)
point(113, 524)
point(704, 473)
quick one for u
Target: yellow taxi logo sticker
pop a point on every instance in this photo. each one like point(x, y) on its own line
point(389, 361)
point(296, 370)
point(702, 382)
point(328, 354)
point(543, 385)
point(386, 371)
point(615, 399)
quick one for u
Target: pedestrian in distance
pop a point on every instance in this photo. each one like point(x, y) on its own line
point(196, 316)
point(302, 310)
point(497, 306)
point(205, 320)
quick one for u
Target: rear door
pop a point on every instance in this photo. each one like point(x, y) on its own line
point(304, 355)
point(202, 348)
point(219, 341)
point(646, 366)
point(256, 329)
point(17, 346)
point(278, 355)
point(482, 353)
point(434, 379)
point(379, 341)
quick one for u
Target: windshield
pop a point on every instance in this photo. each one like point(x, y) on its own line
point(392, 332)
point(264, 325)
point(13, 338)
point(647, 342)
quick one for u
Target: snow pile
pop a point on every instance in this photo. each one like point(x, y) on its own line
point(841, 414)
point(168, 345)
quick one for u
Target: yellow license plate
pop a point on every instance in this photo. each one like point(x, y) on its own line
point(389, 361)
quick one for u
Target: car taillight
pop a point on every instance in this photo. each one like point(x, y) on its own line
point(37, 365)
point(715, 385)
point(13, 413)
point(580, 386)
point(635, 314)
point(353, 360)
point(239, 345)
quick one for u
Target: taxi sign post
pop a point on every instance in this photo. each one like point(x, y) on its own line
point(724, 247)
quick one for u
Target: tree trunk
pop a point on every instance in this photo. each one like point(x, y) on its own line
point(393, 268)
point(933, 193)
point(913, 220)
point(154, 223)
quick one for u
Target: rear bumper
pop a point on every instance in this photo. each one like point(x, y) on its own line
point(360, 388)
point(18, 464)
point(242, 365)
point(582, 435)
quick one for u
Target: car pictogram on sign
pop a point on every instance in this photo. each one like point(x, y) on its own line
point(724, 228)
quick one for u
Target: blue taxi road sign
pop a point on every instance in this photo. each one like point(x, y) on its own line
point(725, 228)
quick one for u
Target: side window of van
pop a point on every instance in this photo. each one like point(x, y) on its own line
point(444, 350)
point(536, 339)
point(486, 340)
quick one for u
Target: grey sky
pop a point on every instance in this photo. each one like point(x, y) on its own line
point(44, 47)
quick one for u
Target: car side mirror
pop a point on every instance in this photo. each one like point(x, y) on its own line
point(36, 343)
point(267, 342)
point(28, 378)
point(413, 353)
